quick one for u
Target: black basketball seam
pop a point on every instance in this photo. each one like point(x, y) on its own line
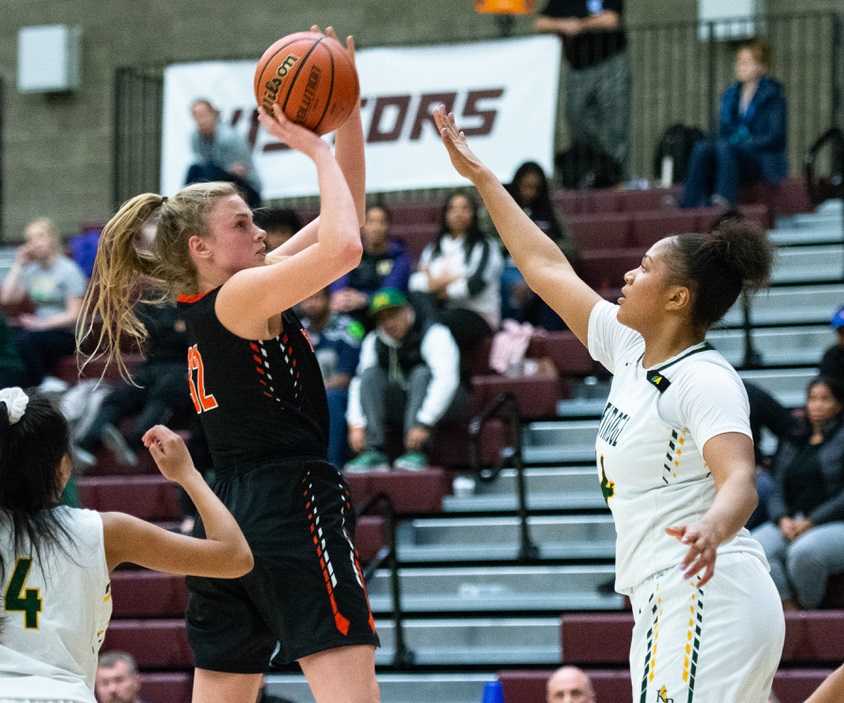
point(275, 53)
point(330, 91)
point(298, 71)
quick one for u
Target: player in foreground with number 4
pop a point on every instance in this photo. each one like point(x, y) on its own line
point(674, 448)
point(56, 560)
point(257, 387)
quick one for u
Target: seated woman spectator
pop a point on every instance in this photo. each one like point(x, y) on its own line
point(751, 142)
point(55, 285)
point(529, 189)
point(459, 276)
point(803, 540)
point(385, 264)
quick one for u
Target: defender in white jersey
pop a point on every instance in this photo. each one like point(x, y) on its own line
point(674, 448)
point(56, 560)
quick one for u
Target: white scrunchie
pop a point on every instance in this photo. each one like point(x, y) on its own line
point(16, 401)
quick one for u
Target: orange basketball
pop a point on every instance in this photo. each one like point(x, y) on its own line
point(311, 77)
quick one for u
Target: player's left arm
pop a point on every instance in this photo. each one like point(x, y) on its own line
point(730, 458)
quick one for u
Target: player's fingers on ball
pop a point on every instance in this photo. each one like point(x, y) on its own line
point(315, 28)
point(350, 43)
point(331, 32)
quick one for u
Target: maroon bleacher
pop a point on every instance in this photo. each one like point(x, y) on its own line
point(156, 644)
point(415, 237)
point(536, 396)
point(138, 593)
point(149, 497)
point(566, 351)
point(167, 688)
point(601, 639)
point(605, 268)
point(605, 231)
point(614, 685)
point(410, 491)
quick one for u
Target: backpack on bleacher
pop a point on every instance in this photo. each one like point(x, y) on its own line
point(676, 144)
point(824, 167)
point(584, 166)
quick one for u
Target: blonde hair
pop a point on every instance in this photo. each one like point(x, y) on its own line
point(125, 273)
point(46, 225)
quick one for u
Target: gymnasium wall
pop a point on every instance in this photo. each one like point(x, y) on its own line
point(57, 150)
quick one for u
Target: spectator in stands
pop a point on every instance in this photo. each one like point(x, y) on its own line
point(530, 190)
point(459, 276)
point(751, 142)
point(765, 412)
point(55, 285)
point(221, 154)
point(118, 680)
point(336, 339)
point(158, 394)
point(569, 684)
point(278, 222)
point(806, 530)
point(832, 362)
point(385, 264)
point(409, 374)
point(597, 94)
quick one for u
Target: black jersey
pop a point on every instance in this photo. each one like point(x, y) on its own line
point(258, 400)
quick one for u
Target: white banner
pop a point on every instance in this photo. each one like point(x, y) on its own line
point(503, 92)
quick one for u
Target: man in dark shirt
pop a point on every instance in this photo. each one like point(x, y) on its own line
point(598, 82)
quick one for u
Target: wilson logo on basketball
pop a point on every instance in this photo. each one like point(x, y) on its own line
point(274, 85)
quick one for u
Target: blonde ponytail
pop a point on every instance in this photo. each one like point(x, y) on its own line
point(114, 288)
point(125, 273)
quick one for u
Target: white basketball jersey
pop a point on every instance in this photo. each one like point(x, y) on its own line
point(649, 446)
point(55, 613)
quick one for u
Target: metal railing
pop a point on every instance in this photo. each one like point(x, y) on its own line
point(381, 504)
point(505, 406)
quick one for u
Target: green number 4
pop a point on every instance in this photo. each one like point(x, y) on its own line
point(17, 598)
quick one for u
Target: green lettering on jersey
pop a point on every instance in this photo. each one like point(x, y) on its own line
point(28, 600)
point(607, 486)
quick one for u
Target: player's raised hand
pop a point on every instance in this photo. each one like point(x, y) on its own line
point(169, 452)
point(462, 158)
point(292, 134)
point(331, 32)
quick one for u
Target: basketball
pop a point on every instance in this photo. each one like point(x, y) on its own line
point(311, 77)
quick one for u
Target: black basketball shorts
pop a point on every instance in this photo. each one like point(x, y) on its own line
point(306, 593)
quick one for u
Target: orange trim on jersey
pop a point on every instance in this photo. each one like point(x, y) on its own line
point(192, 298)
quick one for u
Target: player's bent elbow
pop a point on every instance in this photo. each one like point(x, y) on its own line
point(351, 253)
point(240, 563)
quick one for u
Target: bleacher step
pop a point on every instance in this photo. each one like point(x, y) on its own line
point(512, 588)
point(791, 305)
point(548, 488)
point(806, 264)
point(398, 688)
point(485, 539)
point(474, 641)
